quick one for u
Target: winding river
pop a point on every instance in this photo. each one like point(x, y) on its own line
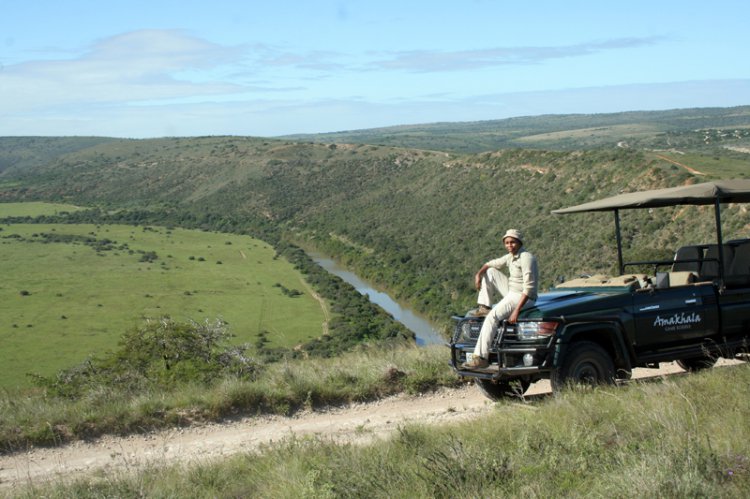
point(426, 333)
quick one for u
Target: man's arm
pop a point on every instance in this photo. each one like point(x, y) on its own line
point(528, 267)
point(480, 274)
point(497, 263)
point(516, 311)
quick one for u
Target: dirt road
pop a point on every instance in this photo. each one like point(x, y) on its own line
point(689, 169)
point(358, 423)
point(355, 423)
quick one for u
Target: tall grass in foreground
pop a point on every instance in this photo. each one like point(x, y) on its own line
point(282, 387)
point(680, 437)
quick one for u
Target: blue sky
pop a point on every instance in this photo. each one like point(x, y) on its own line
point(266, 68)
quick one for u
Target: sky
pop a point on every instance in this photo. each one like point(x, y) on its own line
point(157, 68)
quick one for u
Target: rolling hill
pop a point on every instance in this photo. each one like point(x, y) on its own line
point(642, 129)
point(418, 221)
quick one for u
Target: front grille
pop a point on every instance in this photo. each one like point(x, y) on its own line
point(507, 350)
point(467, 330)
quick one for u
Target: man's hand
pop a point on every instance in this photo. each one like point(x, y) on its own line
point(514, 316)
point(516, 311)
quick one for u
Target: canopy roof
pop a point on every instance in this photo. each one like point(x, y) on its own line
point(726, 191)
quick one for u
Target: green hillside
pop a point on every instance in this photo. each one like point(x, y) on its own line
point(38, 151)
point(418, 222)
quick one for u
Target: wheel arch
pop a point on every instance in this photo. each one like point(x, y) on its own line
point(610, 336)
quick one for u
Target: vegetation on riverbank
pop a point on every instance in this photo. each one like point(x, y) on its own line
point(663, 438)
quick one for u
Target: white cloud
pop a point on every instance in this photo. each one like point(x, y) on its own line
point(147, 67)
point(134, 66)
point(441, 61)
point(169, 82)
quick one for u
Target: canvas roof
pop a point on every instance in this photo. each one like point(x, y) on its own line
point(727, 191)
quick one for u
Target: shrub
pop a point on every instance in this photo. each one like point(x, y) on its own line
point(161, 354)
point(148, 256)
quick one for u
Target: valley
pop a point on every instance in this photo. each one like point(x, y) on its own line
point(117, 230)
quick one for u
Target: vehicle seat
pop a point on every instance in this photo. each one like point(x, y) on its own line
point(630, 281)
point(688, 259)
point(682, 278)
point(739, 268)
point(710, 266)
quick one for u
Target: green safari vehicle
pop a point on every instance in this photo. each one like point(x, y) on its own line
point(694, 309)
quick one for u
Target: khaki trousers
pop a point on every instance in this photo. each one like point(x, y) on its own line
point(495, 283)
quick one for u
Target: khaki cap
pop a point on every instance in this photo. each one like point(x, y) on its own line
point(515, 234)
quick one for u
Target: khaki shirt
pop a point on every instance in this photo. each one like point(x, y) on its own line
point(522, 269)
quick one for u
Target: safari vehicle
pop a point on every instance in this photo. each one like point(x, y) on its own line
point(595, 329)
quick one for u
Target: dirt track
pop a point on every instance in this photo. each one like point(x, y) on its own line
point(358, 423)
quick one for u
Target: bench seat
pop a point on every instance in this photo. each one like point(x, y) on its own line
point(703, 261)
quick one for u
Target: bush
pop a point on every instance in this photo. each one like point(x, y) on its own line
point(148, 256)
point(161, 354)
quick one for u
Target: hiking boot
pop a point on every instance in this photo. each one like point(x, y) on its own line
point(480, 311)
point(476, 362)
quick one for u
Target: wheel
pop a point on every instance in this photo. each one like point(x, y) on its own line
point(503, 389)
point(697, 363)
point(585, 363)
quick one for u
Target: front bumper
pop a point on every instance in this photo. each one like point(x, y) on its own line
point(510, 356)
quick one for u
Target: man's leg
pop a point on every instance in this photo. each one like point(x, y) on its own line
point(499, 312)
point(494, 282)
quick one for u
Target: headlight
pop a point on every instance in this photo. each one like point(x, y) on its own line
point(530, 331)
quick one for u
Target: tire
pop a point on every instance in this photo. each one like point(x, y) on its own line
point(503, 389)
point(697, 363)
point(585, 363)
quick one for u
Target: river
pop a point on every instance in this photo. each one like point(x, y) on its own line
point(426, 333)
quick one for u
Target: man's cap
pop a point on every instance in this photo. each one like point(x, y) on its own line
point(515, 234)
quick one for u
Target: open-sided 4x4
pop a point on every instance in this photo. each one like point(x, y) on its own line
point(595, 329)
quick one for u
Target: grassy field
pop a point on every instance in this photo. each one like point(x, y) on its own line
point(583, 136)
point(69, 291)
point(35, 209)
point(709, 164)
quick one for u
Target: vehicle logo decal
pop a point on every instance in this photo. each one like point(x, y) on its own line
point(677, 321)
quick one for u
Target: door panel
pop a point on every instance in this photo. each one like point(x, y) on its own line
point(675, 316)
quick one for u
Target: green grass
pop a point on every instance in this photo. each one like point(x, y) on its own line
point(585, 136)
point(60, 302)
point(717, 165)
point(663, 438)
point(35, 209)
point(35, 419)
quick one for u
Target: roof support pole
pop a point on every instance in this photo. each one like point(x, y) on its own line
point(719, 238)
point(620, 264)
